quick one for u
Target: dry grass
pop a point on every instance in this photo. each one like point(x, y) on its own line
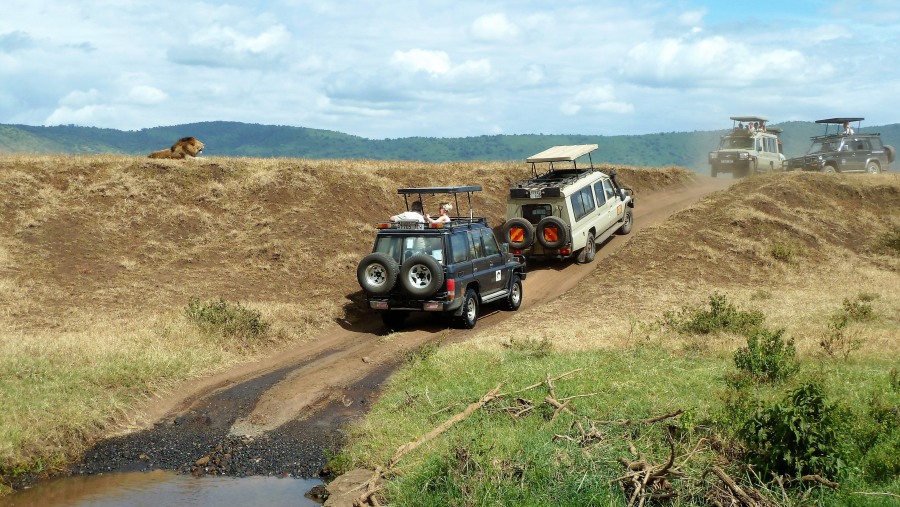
point(725, 244)
point(100, 254)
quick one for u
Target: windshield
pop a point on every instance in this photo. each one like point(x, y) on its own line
point(823, 146)
point(740, 142)
point(401, 248)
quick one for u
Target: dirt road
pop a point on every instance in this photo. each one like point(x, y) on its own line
point(277, 416)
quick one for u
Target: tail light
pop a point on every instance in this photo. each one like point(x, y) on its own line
point(451, 289)
point(565, 251)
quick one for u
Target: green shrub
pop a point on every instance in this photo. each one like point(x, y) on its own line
point(422, 352)
point(532, 347)
point(767, 356)
point(857, 310)
point(784, 253)
point(795, 437)
point(721, 316)
point(231, 320)
point(889, 242)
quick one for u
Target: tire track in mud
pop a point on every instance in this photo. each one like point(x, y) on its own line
point(280, 416)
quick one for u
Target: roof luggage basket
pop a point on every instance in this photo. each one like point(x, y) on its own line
point(454, 191)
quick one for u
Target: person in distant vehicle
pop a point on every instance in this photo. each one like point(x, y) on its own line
point(750, 128)
point(415, 213)
point(848, 130)
point(740, 126)
point(443, 214)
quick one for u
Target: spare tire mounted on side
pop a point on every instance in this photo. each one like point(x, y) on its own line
point(377, 273)
point(421, 275)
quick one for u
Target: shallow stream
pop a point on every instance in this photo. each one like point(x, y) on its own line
point(158, 488)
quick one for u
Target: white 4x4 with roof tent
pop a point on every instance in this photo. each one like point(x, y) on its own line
point(745, 149)
point(566, 210)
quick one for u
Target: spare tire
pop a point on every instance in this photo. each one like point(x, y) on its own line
point(421, 275)
point(377, 273)
point(518, 232)
point(546, 236)
point(891, 153)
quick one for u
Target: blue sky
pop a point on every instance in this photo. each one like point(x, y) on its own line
point(388, 69)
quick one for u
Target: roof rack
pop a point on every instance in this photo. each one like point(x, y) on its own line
point(549, 183)
point(454, 191)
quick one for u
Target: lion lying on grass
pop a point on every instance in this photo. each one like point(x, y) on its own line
point(186, 146)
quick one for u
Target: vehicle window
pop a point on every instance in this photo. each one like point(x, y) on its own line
point(608, 189)
point(598, 191)
point(389, 245)
point(577, 205)
point(861, 144)
point(535, 212)
point(401, 248)
point(475, 250)
point(875, 143)
point(741, 142)
point(459, 245)
point(489, 242)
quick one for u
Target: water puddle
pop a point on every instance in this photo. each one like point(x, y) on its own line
point(152, 489)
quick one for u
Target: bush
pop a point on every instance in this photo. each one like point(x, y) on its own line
point(231, 320)
point(795, 437)
point(721, 316)
point(767, 356)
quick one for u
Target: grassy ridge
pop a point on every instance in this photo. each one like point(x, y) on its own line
point(810, 255)
point(106, 263)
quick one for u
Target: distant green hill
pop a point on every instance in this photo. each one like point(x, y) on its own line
point(234, 139)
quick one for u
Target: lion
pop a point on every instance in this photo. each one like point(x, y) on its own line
point(186, 146)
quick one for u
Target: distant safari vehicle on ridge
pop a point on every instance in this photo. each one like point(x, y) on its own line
point(845, 150)
point(749, 147)
point(566, 210)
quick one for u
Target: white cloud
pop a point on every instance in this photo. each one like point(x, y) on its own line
point(78, 98)
point(146, 95)
point(598, 99)
point(692, 18)
point(225, 46)
point(711, 61)
point(433, 63)
point(493, 27)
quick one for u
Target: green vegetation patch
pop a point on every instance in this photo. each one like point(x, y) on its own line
point(230, 319)
point(721, 316)
point(618, 410)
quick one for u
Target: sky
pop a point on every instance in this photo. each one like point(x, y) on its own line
point(389, 69)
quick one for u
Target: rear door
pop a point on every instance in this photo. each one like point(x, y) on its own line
point(608, 205)
point(497, 278)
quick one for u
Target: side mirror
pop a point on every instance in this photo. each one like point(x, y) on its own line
point(504, 247)
point(622, 194)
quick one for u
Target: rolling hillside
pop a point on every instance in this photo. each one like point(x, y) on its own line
point(684, 149)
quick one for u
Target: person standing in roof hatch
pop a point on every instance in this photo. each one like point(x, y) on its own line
point(848, 130)
point(443, 214)
point(415, 213)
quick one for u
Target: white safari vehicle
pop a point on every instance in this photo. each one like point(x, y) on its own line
point(565, 210)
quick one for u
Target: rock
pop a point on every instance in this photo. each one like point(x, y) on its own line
point(202, 461)
point(319, 492)
point(345, 489)
point(367, 359)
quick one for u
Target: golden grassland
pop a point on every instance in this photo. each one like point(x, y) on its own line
point(792, 246)
point(100, 254)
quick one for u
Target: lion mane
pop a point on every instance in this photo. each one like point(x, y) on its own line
point(185, 147)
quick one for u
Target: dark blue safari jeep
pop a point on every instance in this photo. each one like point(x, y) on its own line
point(451, 268)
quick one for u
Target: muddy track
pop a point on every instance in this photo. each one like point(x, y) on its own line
point(281, 415)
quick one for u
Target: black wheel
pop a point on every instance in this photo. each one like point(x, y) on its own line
point(518, 232)
point(514, 300)
point(891, 153)
point(589, 251)
point(394, 320)
point(751, 168)
point(628, 222)
point(828, 169)
point(872, 168)
point(421, 275)
point(377, 273)
point(714, 172)
point(469, 316)
point(551, 232)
